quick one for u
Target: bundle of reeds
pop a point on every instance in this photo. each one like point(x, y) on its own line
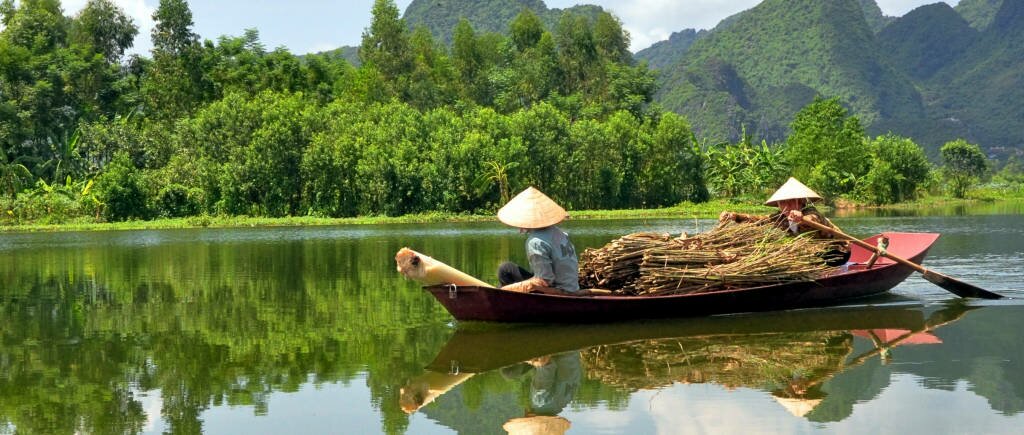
point(728, 256)
point(771, 361)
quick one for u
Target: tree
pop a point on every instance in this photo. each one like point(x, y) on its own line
point(578, 56)
point(526, 30)
point(172, 31)
point(826, 149)
point(611, 41)
point(385, 45)
point(174, 83)
point(671, 168)
point(469, 62)
point(103, 26)
point(962, 163)
point(123, 191)
point(12, 175)
point(898, 167)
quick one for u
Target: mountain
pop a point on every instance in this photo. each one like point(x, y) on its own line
point(774, 58)
point(984, 89)
point(665, 53)
point(926, 40)
point(874, 16)
point(979, 13)
point(441, 16)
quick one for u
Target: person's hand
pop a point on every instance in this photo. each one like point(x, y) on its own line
point(727, 216)
point(796, 216)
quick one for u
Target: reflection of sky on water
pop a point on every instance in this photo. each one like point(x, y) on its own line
point(903, 407)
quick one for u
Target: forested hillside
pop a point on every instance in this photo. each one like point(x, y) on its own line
point(979, 13)
point(486, 16)
point(774, 59)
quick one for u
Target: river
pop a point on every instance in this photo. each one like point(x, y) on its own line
point(311, 330)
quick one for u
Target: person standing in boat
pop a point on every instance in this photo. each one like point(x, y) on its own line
point(794, 200)
point(551, 255)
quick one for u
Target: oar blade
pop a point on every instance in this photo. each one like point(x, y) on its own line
point(958, 287)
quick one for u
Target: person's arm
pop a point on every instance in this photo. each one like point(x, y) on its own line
point(739, 218)
point(527, 285)
point(813, 216)
point(539, 254)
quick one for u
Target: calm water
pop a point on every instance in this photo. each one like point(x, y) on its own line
point(311, 330)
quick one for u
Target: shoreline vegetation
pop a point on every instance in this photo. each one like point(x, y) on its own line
point(228, 134)
point(685, 210)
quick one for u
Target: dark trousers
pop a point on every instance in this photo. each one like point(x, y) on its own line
point(510, 272)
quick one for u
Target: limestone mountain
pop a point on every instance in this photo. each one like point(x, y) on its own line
point(441, 16)
point(979, 13)
point(926, 40)
point(874, 16)
point(665, 53)
point(774, 58)
point(983, 90)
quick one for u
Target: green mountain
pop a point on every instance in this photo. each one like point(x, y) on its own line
point(926, 40)
point(665, 53)
point(984, 89)
point(874, 16)
point(441, 16)
point(774, 59)
point(979, 13)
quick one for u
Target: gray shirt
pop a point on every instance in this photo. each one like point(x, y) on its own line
point(553, 258)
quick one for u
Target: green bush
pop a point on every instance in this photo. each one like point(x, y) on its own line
point(122, 190)
point(175, 200)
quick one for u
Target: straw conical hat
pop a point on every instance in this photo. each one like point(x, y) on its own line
point(537, 425)
point(798, 407)
point(793, 189)
point(531, 209)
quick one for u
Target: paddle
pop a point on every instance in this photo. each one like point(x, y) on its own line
point(952, 285)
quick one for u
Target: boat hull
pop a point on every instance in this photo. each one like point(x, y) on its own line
point(490, 304)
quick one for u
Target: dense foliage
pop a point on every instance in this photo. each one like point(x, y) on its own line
point(963, 164)
point(227, 127)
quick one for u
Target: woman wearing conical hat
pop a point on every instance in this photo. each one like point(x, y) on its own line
point(552, 256)
point(794, 201)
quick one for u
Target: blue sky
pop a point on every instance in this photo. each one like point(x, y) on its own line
point(305, 26)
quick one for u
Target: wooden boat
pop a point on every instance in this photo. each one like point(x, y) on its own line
point(855, 280)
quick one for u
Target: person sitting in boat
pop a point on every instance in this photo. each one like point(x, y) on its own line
point(552, 256)
point(794, 201)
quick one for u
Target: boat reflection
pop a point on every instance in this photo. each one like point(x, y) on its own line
point(790, 355)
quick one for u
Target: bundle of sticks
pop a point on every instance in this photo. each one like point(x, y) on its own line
point(732, 255)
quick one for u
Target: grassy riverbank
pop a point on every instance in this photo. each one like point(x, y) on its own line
point(683, 211)
point(706, 210)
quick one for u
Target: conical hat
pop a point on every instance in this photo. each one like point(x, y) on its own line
point(797, 407)
point(537, 425)
point(531, 209)
point(793, 189)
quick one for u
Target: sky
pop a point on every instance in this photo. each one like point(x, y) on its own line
point(306, 26)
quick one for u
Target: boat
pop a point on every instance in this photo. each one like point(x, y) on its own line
point(851, 281)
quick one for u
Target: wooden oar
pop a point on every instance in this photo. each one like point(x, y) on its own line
point(952, 285)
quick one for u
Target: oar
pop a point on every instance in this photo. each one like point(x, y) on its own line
point(952, 285)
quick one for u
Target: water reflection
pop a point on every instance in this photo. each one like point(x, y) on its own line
point(242, 331)
point(790, 356)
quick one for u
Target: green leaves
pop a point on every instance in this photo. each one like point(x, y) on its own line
point(962, 163)
point(826, 149)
